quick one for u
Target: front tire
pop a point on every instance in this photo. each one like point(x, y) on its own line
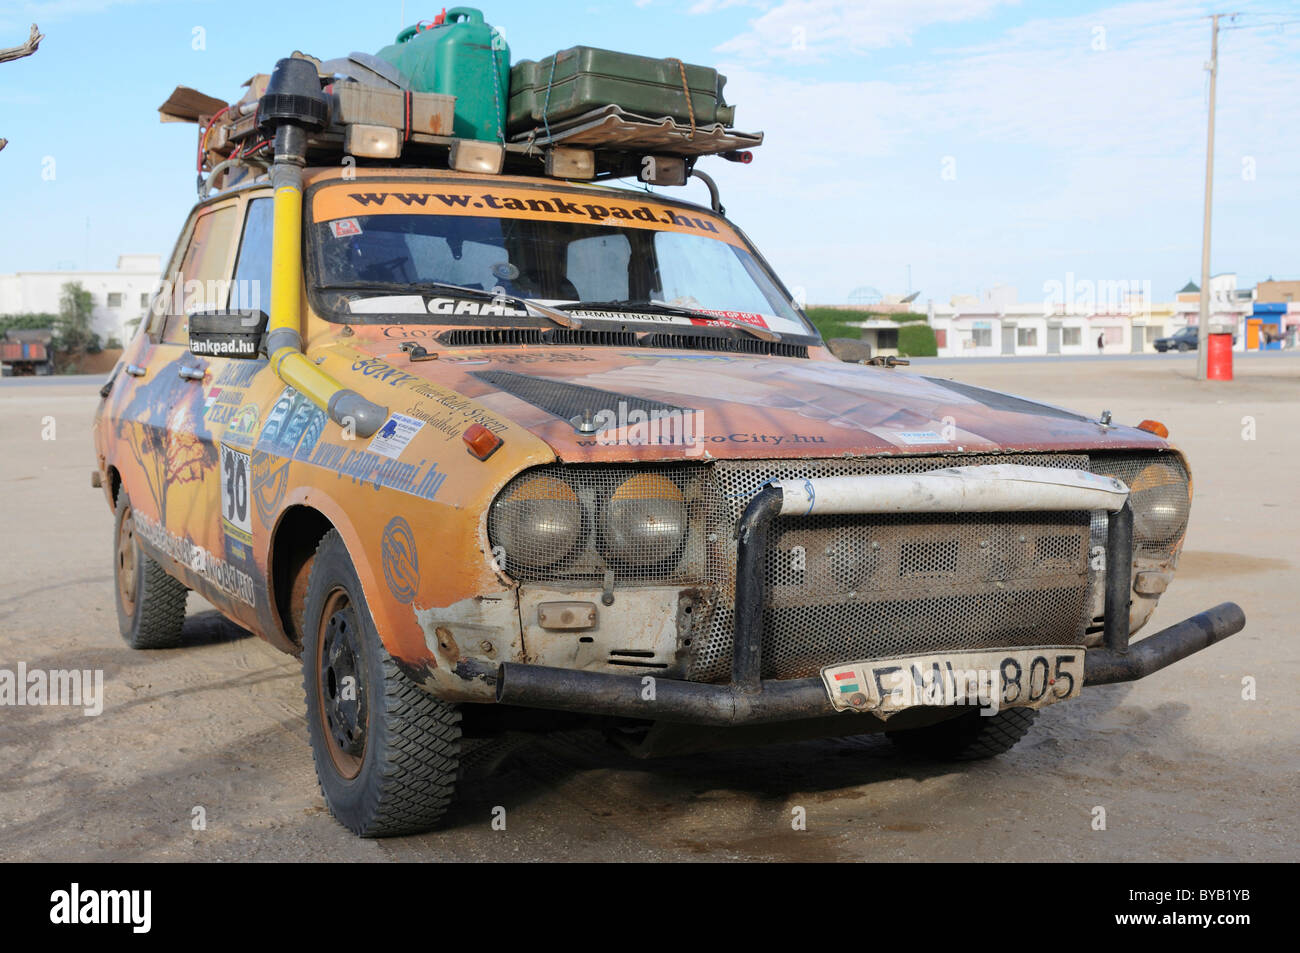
point(150, 603)
point(386, 752)
point(968, 737)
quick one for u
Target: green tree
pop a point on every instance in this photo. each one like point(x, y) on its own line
point(72, 329)
point(28, 321)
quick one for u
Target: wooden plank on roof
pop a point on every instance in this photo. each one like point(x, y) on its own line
point(187, 105)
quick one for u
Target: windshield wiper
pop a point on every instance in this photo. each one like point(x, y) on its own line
point(655, 307)
point(554, 315)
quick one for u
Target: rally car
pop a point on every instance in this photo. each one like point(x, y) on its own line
point(494, 451)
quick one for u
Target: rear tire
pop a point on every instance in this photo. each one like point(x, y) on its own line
point(387, 753)
point(150, 603)
point(968, 737)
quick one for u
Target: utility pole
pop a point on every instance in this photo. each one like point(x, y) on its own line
point(1202, 324)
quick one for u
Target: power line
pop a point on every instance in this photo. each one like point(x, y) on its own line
point(1260, 26)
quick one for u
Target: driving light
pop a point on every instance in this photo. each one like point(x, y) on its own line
point(373, 142)
point(1161, 504)
point(468, 155)
point(537, 520)
point(644, 521)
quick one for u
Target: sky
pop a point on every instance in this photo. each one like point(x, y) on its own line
point(939, 146)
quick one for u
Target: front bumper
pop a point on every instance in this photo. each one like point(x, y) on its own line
point(750, 699)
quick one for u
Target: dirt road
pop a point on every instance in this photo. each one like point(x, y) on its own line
point(1184, 767)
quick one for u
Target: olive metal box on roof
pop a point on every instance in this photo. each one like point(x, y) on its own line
point(583, 78)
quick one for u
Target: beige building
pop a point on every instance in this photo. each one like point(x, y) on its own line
point(1278, 292)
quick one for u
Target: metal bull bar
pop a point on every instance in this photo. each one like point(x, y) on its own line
point(749, 699)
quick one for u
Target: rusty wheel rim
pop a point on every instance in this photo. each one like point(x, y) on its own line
point(341, 684)
point(126, 562)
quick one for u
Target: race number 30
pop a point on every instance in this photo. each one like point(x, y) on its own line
point(234, 489)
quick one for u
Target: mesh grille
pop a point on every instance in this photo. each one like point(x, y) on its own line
point(837, 588)
point(846, 587)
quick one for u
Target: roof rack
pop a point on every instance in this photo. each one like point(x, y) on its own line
point(374, 119)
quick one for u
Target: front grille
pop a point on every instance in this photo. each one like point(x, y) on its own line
point(846, 587)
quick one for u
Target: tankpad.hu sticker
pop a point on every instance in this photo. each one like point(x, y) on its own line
point(344, 201)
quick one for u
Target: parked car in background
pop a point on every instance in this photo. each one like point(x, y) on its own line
point(1182, 340)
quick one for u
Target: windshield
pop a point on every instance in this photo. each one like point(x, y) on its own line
point(380, 254)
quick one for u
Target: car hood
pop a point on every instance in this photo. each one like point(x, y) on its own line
point(645, 404)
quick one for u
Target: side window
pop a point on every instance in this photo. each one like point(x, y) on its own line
point(204, 270)
point(252, 287)
point(161, 300)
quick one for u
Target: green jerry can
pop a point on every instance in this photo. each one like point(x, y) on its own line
point(459, 55)
point(583, 78)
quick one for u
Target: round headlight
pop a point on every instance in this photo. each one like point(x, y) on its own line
point(1160, 502)
point(644, 521)
point(537, 520)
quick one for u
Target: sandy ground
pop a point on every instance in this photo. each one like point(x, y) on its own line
point(1185, 768)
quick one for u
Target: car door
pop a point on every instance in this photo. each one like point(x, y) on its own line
point(236, 394)
point(172, 473)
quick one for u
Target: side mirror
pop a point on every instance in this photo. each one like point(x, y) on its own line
point(849, 349)
point(227, 333)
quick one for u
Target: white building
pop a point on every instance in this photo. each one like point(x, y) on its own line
point(1229, 306)
point(1083, 321)
point(996, 324)
point(121, 297)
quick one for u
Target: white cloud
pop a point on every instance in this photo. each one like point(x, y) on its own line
point(812, 28)
point(1064, 152)
point(710, 6)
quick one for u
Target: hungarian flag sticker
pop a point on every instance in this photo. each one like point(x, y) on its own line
point(846, 682)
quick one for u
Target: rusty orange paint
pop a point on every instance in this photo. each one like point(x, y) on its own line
point(214, 466)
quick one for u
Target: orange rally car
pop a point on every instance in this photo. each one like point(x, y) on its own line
point(590, 459)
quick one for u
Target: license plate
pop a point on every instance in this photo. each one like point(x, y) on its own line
point(996, 678)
